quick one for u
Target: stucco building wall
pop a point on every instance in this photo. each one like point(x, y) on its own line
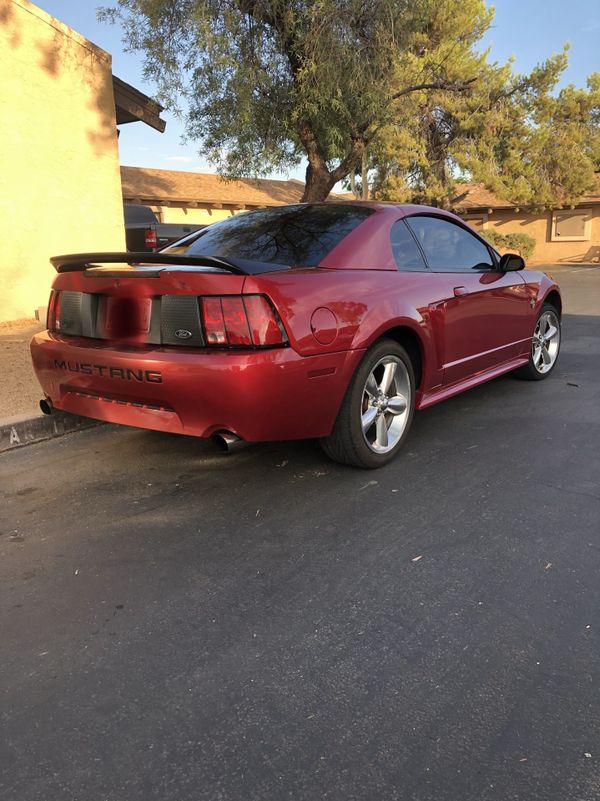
point(59, 167)
point(200, 216)
point(539, 226)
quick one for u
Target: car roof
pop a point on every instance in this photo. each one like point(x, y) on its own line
point(372, 236)
point(390, 206)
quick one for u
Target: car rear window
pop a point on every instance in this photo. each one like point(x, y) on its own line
point(291, 235)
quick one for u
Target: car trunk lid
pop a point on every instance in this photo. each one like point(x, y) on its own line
point(140, 298)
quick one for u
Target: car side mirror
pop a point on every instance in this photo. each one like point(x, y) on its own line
point(511, 261)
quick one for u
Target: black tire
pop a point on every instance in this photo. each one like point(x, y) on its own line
point(347, 443)
point(535, 370)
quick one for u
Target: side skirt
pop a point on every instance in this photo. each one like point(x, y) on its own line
point(441, 393)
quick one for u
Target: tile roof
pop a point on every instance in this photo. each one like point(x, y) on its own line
point(148, 184)
point(475, 196)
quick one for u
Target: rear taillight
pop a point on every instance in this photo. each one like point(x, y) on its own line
point(265, 325)
point(150, 239)
point(214, 324)
point(53, 316)
point(242, 321)
point(236, 322)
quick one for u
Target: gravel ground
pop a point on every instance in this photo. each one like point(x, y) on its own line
point(19, 390)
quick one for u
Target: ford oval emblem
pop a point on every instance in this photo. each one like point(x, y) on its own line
point(183, 333)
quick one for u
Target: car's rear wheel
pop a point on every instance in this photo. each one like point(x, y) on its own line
point(545, 345)
point(377, 411)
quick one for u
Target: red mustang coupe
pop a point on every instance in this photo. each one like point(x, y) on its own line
point(330, 320)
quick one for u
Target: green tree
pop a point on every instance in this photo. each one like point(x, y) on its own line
point(268, 81)
point(414, 155)
point(511, 132)
point(549, 151)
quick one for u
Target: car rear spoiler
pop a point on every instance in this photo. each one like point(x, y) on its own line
point(80, 262)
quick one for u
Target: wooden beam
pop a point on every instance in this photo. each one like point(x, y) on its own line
point(132, 105)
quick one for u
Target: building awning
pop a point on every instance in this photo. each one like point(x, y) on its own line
point(134, 106)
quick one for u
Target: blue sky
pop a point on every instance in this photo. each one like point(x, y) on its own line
point(529, 30)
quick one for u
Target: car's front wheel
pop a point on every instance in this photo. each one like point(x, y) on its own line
point(377, 411)
point(545, 345)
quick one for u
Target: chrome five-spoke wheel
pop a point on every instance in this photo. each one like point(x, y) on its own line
point(545, 345)
point(546, 341)
point(385, 404)
point(376, 413)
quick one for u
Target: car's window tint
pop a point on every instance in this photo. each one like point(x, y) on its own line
point(406, 251)
point(448, 247)
point(290, 235)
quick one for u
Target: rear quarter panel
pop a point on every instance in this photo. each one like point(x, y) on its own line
point(365, 304)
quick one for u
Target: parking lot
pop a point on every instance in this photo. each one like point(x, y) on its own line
point(181, 625)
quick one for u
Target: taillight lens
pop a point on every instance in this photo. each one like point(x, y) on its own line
point(265, 326)
point(242, 321)
point(150, 239)
point(236, 322)
point(53, 316)
point(214, 324)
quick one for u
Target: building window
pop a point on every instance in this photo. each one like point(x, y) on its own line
point(574, 225)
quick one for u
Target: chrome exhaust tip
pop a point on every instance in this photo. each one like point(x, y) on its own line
point(227, 442)
point(46, 406)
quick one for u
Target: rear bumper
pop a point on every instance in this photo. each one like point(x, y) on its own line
point(258, 395)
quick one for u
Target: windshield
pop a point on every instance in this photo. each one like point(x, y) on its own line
point(290, 235)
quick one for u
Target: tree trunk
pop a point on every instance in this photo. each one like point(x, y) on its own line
point(365, 176)
point(319, 183)
point(320, 180)
point(436, 150)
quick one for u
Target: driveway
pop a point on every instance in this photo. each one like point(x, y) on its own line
point(179, 625)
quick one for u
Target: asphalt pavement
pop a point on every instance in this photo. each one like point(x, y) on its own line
point(175, 624)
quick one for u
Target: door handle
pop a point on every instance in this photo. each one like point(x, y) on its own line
point(459, 291)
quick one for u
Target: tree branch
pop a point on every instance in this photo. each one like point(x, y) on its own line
point(518, 87)
point(447, 86)
point(350, 161)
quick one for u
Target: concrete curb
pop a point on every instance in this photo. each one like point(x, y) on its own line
point(15, 432)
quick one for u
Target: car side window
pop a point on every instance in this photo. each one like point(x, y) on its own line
point(406, 251)
point(448, 247)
